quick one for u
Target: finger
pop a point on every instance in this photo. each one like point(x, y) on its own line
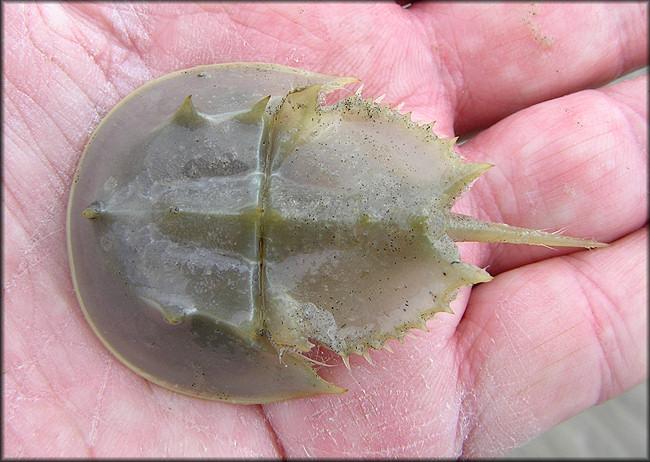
point(547, 341)
point(404, 405)
point(576, 163)
point(501, 58)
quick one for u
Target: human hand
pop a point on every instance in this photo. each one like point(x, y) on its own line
point(555, 332)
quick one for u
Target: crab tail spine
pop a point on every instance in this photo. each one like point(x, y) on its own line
point(466, 228)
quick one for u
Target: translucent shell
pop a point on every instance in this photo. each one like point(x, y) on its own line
point(223, 221)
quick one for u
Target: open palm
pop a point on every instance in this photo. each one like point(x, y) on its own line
point(556, 331)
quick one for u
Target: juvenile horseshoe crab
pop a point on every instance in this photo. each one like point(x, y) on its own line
point(222, 221)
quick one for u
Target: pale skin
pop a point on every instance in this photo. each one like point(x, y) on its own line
point(556, 332)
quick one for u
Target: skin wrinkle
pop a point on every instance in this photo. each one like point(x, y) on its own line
point(304, 29)
point(552, 339)
point(466, 349)
point(624, 52)
point(608, 377)
point(35, 363)
point(559, 361)
point(121, 32)
point(462, 87)
point(23, 267)
point(500, 430)
point(24, 264)
point(462, 426)
point(619, 97)
point(276, 440)
point(623, 109)
point(627, 334)
point(103, 105)
point(475, 379)
point(467, 378)
point(60, 172)
point(44, 159)
point(190, 421)
point(475, 425)
point(621, 115)
point(11, 199)
point(545, 378)
point(17, 110)
point(129, 47)
point(96, 416)
point(13, 137)
point(369, 414)
point(82, 39)
point(312, 444)
point(67, 46)
point(618, 38)
point(449, 63)
point(58, 66)
point(261, 32)
point(95, 19)
point(407, 93)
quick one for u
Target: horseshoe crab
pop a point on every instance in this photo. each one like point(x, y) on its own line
point(223, 221)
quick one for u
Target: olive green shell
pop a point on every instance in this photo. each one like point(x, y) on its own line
point(222, 221)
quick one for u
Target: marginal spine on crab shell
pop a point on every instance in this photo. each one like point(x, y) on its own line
point(346, 361)
point(331, 86)
point(449, 143)
point(470, 172)
point(380, 344)
point(422, 325)
point(379, 100)
point(366, 355)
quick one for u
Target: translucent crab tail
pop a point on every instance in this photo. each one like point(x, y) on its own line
point(466, 228)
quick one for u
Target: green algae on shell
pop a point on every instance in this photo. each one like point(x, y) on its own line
point(223, 220)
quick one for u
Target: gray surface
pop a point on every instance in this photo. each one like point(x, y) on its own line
point(631, 75)
point(617, 428)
